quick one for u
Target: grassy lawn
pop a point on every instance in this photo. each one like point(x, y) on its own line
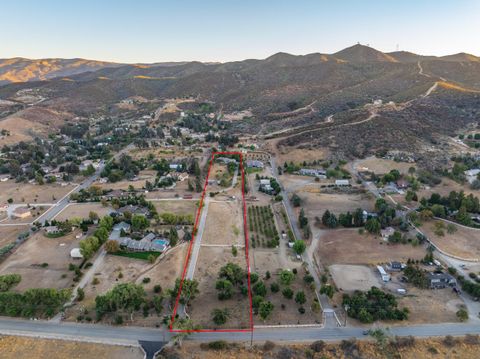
point(137, 255)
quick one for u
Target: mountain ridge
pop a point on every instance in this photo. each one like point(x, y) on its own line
point(20, 69)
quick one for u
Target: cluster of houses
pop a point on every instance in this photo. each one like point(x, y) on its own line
point(436, 280)
point(150, 242)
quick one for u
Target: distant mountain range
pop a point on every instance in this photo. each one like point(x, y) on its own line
point(23, 70)
point(322, 100)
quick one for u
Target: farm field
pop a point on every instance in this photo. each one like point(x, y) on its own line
point(32, 193)
point(347, 246)
point(27, 261)
point(463, 243)
point(262, 227)
point(23, 347)
point(82, 210)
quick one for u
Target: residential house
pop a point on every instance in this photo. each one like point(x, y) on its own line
point(175, 166)
point(395, 266)
point(134, 210)
point(52, 230)
point(387, 232)
point(441, 280)
point(402, 184)
point(118, 193)
point(385, 276)
point(255, 164)
point(342, 182)
point(313, 172)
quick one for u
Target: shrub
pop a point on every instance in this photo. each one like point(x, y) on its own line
point(462, 315)
point(449, 341)
point(274, 287)
point(218, 345)
point(287, 293)
point(146, 280)
point(157, 288)
point(318, 346)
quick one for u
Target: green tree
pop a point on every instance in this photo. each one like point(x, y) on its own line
point(220, 316)
point(286, 277)
point(299, 246)
point(139, 222)
point(265, 309)
point(300, 297)
point(225, 289)
point(373, 225)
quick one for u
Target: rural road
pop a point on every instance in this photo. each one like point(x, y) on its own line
point(197, 241)
point(130, 335)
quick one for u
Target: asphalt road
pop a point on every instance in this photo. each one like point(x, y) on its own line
point(131, 335)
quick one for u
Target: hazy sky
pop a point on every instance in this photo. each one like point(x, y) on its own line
point(225, 30)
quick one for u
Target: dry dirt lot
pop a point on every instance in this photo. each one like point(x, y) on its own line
point(297, 155)
point(224, 224)
point(36, 212)
point(24, 347)
point(381, 166)
point(463, 243)
point(82, 210)
point(32, 193)
point(167, 269)
point(210, 260)
point(8, 234)
point(38, 249)
point(430, 306)
point(315, 204)
point(177, 206)
point(354, 277)
point(347, 246)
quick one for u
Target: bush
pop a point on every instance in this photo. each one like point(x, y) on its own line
point(118, 320)
point(287, 293)
point(472, 339)
point(462, 315)
point(301, 310)
point(146, 280)
point(274, 287)
point(318, 346)
point(268, 346)
point(218, 345)
point(157, 288)
point(449, 341)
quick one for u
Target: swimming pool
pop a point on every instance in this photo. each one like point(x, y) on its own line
point(161, 242)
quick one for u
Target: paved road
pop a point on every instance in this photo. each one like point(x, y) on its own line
point(131, 335)
point(197, 242)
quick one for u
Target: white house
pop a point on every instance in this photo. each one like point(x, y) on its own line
point(385, 276)
point(342, 182)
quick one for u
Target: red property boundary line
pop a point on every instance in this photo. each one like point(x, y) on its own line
point(245, 230)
